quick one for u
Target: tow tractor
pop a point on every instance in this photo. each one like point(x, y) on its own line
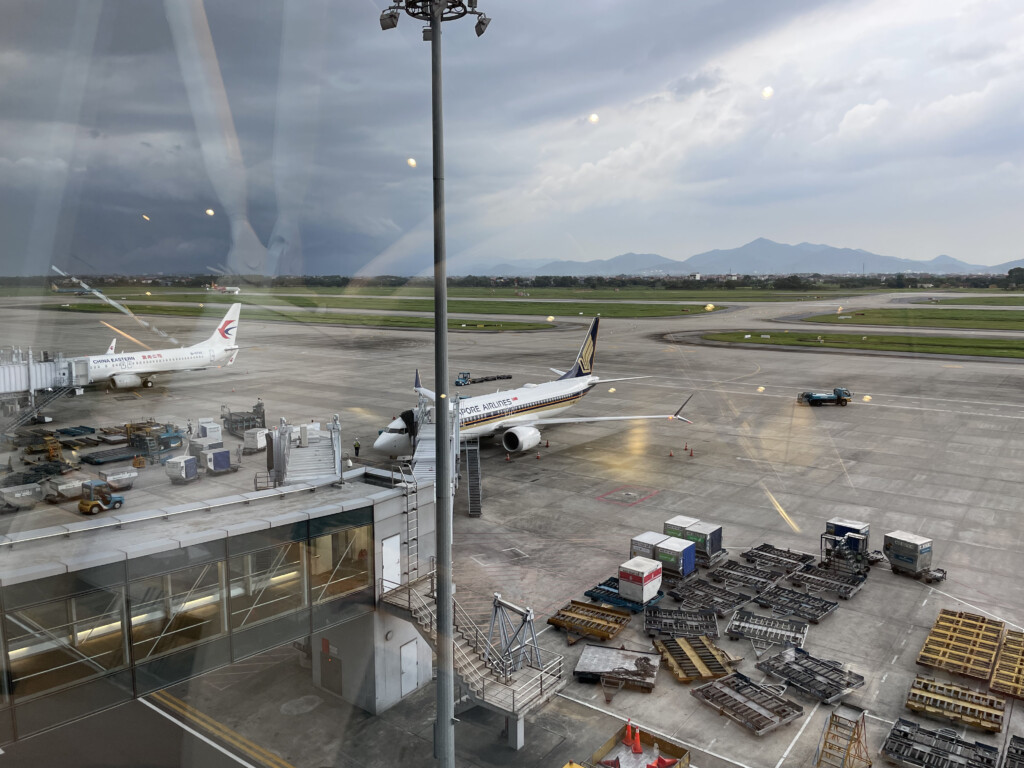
point(838, 396)
point(97, 496)
point(466, 378)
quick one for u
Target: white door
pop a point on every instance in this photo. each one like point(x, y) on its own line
point(410, 660)
point(391, 562)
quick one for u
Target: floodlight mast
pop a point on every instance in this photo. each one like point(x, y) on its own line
point(436, 12)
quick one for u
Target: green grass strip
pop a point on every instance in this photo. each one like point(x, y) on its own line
point(981, 319)
point(984, 301)
point(388, 321)
point(934, 345)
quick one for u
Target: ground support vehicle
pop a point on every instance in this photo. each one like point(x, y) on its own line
point(838, 396)
point(97, 496)
point(466, 378)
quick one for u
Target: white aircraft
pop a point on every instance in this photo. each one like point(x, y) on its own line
point(110, 349)
point(234, 290)
point(519, 412)
point(137, 369)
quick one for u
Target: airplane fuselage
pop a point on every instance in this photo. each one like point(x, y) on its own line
point(102, 367)
point(482, 415)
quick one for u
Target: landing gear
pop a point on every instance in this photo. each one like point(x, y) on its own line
point(147, 383)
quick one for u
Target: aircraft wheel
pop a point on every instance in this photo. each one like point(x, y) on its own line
point(147, 383)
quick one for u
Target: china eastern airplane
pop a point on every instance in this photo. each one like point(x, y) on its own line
point(126, 370)
point(518, 413)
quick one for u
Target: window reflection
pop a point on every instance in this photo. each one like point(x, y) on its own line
point(176, 610)
point(266, 584)
point(341, 563)
point(57, 644)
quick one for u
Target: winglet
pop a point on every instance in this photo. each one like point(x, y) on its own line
point(676, 414)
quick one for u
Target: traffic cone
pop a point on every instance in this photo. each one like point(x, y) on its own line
point(628, 738)
point(686, 447)
point(547, 443)
point(637, 749)
point(538, 454)
point(691, 453)
point(670, 454)
point(508, 457)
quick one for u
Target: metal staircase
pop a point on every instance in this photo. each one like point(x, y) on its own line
point(489, 676)
point(25, 415)
point(837, 554)
point(474, 478)
point(412, 522)
point(843, 740)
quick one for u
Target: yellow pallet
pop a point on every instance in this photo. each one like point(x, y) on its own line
point(964, 643)
point(706, 660)
point(1008, 676)
point(947, 701)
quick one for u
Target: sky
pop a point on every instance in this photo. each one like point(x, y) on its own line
point(143, 136)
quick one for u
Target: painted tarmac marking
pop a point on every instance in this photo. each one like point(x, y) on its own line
point(798, 735)
point(979, 610)
point(653, 732)
point(197, 734)
point(894, 659)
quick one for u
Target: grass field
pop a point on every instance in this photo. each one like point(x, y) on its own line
point(935, 345)
point(985, 301)
point(981, 319)
point(388, 321)
point(463, 306)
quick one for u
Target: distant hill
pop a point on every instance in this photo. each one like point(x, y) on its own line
point(758, 257)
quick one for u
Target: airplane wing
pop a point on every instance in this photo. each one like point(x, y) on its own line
point(586, 419)
point(624, 378)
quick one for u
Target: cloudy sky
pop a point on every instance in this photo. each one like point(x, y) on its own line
point(574, 130)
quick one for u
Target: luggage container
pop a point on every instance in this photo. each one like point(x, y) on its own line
point(119, 479)
point(254, 440)
point(839, 526)
point(677, 525)
point(639, 579)
point(677, 555)
point(182, 469)
point(907, 552)
point(643, 544)
point(64, 487)
point(707, 537)
point(199, 444)
point(217, 461)
point(17, 497)
point(210, 429)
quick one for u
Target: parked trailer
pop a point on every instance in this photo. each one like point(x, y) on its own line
point(64, 487)
point(699, 595)
point(765, 631)
point(664, 621)
point(733, 573)
point(826, 580)
point(910, 745)
point(911, 555)
point(182, 469)
point(119, 479)
point(789, 602)
point(254, 440)
point(18, 497)
point(754, 706)
point(608, 592)
point(217, 462)
point(769, 556)
point(823, 679)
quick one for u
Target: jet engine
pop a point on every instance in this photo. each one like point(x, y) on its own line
point(520, 439)
point(125, 380)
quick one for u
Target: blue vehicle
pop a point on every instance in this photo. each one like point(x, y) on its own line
point(838, 396)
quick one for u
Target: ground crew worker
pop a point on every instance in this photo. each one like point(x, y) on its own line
point(355, 447)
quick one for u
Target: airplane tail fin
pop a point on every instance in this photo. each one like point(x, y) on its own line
point(226, 334)
point(584, 365)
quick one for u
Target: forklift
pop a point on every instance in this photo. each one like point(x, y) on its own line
point(97, 496)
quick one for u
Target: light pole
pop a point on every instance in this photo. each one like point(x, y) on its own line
point(437, 11)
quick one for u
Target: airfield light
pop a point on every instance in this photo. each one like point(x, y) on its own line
point(866, 398)
point(551, 318)
point(411, 162)
point(709, 307)
point(209, 211)
point(148, 293)
point(145, 217)
point(611, 389)
point(760, 389)
point(436, 12)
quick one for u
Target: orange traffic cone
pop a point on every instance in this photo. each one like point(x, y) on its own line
point(686, 447)
point(547, 443)
point(670, 454)
point(538, 454)
point(691, 453)
point(508, 457)
point(637, 749)
point(628, 738)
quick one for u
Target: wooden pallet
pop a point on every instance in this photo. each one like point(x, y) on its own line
point(581, 619)
point(964, 643)
point(695, 658)
point(946, 701)
point(1008, 676)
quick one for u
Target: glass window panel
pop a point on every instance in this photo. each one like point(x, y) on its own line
point(176, 610)
point(340, 563)
point(57, 644)
point(265, 584)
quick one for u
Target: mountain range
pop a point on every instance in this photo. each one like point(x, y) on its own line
point(758, 257)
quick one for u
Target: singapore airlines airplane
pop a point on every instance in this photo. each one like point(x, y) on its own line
point(519, 412)
point(137, 369)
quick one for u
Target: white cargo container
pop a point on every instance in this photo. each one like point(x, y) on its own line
point(642, 545)
point(199, 444)
point(119, 479)
point(64, 486)
point(677, 525)
point(860, 541)
point(907, 552)
point(182, 469)
point(639, 579)
point(210, 429)
point(255, 440)
point(21, 496)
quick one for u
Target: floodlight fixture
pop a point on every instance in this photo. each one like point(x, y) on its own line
point(481, 24)
point(389, 18)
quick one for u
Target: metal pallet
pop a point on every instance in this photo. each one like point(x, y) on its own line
point(699, 595)
point(910, 745)
point(770, 556)
point(765, 631)
point(958, 703)
point(1008, 676)
point(1014, 757)
point(823, 679)
point(581, 619)
point(734, 573)
point(617, 668)
point(825, 580)
point(695, 658)
point(789, 602)
point(964, 643)
point(661, 621)
point(739, 698)
point(608, 592)
point(710, 561)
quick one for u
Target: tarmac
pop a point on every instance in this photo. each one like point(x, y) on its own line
point(931, 446)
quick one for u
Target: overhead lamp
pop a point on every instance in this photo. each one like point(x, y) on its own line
point(428, 34)
point(389, 18)
point(481, 24)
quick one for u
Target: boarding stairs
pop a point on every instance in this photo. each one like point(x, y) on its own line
point(315, 457)
point(490, 677)
point(43, 399)
point(412, 521)
point(843, 740)
point(474, 478)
